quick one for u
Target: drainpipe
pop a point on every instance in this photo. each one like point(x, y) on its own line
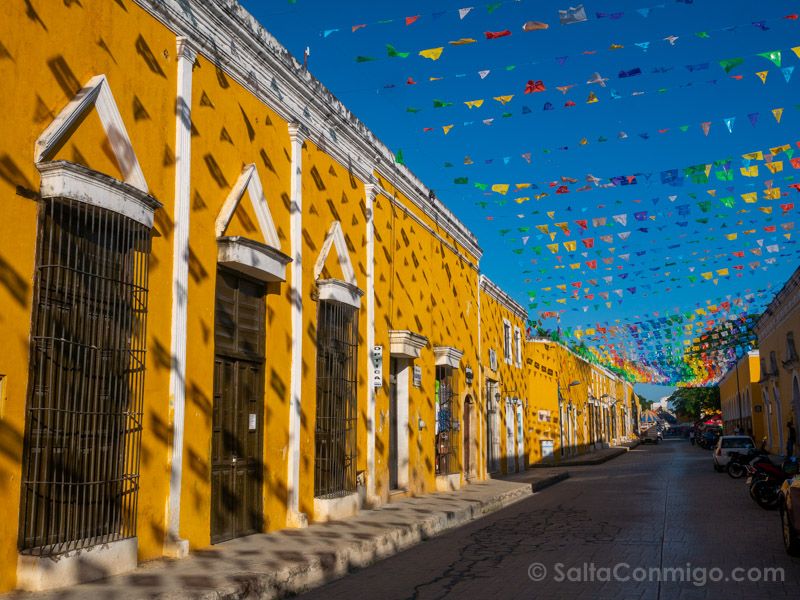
point(294, 518)
point(370, 191)
point(173, 544)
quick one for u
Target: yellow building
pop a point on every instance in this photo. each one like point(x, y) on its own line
point(780, 365)
point(505, 381)
point(578, 407)
point(740, 398)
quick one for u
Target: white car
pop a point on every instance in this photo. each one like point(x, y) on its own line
point(730, 443)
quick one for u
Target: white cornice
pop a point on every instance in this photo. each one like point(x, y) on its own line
point(224, 32)
point(784, 303)
point(492, 289)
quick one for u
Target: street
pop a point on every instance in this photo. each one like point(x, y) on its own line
point(599, 534)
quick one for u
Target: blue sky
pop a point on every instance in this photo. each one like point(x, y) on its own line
point(679, 91)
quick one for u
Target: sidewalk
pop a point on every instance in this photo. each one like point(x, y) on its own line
point(296, 560)
point(591, 458)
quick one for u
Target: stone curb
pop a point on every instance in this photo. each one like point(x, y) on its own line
point(315, 571)
point(538, 486)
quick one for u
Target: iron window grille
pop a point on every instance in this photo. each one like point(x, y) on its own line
point(447, 423)
point(335, 430)
point(84, 411)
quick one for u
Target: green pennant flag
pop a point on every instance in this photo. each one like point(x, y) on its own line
point(398, 158)
point(413, 110)
point(441, 104)
point(704, 205)
point(448, 165)
point(725, 175)
point(363, 59)
point(505, 115)
point(482, 204)
point(774, 56)
point(392, 52)
point(518, 250)
point(728, 201)
point(684, 128)
point(461, 180)
point(510, 67)
point(481, 186)
point(703, 35)
point(493, 6)
point(730, 64)
point(703, 221)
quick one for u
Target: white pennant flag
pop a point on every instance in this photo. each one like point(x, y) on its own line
point(463, 12)
point(483, 74)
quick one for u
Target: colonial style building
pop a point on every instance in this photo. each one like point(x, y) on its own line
point(226, 308)
point(780, 364)
point(740, 398)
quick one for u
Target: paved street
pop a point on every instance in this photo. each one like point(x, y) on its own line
point(655, 507)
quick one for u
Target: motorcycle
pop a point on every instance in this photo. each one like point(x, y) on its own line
point(765, 480)
point(737, 465)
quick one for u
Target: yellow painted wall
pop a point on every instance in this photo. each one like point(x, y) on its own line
point(53, 49)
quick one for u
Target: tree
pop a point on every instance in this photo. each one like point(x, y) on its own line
point(644, 402)
point(692, 402)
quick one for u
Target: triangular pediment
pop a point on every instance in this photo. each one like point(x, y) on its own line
point(249, 183)
point(94, 96)
point(335, 240)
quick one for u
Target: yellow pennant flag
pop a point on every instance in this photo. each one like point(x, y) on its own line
point(575, 266)
point(751, 171)
point(435, 78)
point(762, 75)
point(551, 213)
point(796, 50)
point(474, 104)
point(553, 235)
point(775, 166)
point(504, 99)
point(712, 193)
point(777, 113)
point(462, 41)
point(561, 300)
point(521, 200)
point(446, 129)
point(522, 186)
point(708, 275)
point(772, 194)
point(779, 149)
point(754, 155)
point(722, 272)
point(432, 53)
point(731, 236)
point(788, 236)
point(767, 210)
point(562, 287)
point(592, 98)
point(500, 188)
point(543, 228)
point(553, 248)
point(570, 246)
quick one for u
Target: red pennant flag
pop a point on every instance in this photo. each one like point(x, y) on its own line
point(410, 81)
point(787, 207)
point(588, 242)
point(582, 223)
point(562, 189)
point(592, 264)
point(534, 86)
point(493, 35)
point(410, 20)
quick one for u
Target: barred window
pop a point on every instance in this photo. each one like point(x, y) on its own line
point(335, 431)
point(447, 423)
point(84, 411)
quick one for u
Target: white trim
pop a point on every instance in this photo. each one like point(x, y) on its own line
point(173, 544)
point(508, 352)
point(235, 41)
point(251, 258)
point(294, 517)
point(406, 344)
point(40, 573)
point(340, 291)
point(447, 356)
point(335, 239)
point(347, 269)
point(96, 93)
point(493, 290)
point(402, 391)
point(517, 344)
point(249, 181)
point(335, 509)
point(64, 179)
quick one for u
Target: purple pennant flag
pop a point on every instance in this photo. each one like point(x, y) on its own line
point(561, 59)
point(762, 25)
point(753, 118)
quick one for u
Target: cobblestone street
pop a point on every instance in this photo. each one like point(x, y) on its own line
point(656, 507)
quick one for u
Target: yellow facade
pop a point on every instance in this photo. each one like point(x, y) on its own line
point(779, 367)
point(439, 396)
point(740, 398)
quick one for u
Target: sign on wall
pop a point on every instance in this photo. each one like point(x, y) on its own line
point(417, 376)
point(377, 366)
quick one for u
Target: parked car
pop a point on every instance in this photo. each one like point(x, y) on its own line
point(790, 515)
point(731, 443)
point(651, 435)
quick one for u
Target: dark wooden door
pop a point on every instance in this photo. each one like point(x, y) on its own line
point(236, 464)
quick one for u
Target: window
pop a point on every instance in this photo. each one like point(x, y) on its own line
point(507, 341)
point(335, 431)
point(447, 424)
point(791, 351)
point(773, 364)
point(492, 359)
point(83, 419)
point(517, 347)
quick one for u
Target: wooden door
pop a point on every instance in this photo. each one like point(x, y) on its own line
point(236, 463)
